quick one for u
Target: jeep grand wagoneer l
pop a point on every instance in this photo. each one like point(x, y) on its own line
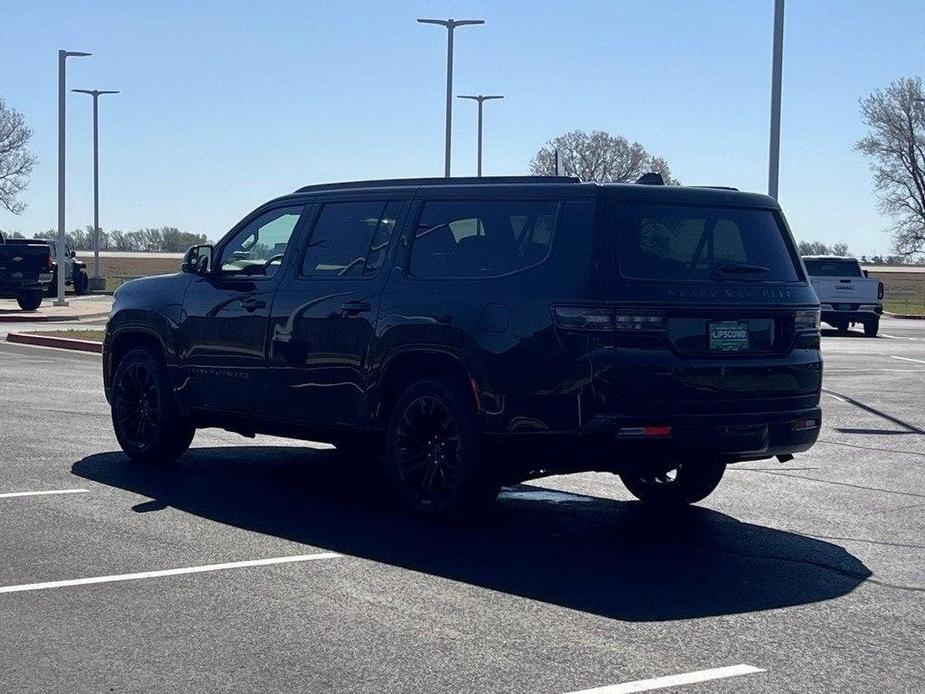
point(471, 333)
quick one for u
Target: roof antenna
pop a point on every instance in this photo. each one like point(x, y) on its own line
point(651, 179)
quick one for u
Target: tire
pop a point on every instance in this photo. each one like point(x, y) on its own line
point(691, 482)
point(434, 458)
point(29, 300)
point(871, 327)
point(81, 282)
point(145, 418)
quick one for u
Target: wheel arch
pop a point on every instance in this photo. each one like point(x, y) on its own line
point(128, 335)
point(407, 367)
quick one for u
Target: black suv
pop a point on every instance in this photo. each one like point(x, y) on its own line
point(470, 333)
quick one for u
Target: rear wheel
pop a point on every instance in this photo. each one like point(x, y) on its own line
point(871, 327)
point(433, 453)
point(30, 300)
point(687, 483)
point(144, 414)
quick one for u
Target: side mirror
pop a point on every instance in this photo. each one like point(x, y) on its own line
point(73, 254)
point(197, 260)
point(866, 273)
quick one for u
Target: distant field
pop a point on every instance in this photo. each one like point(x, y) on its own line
point(116, 270)
point(903, 292)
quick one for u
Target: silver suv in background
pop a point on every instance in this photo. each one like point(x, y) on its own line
point(846, 294)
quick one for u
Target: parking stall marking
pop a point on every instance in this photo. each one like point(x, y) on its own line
point(49, 492)
point(917, 361)
point(674, 680)
point(168, 572)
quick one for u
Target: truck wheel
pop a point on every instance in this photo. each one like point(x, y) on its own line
point(81, 282)
point(688, 483)
point(434, 455)
point(29, 300)
point(145, 418)
point(871, 327)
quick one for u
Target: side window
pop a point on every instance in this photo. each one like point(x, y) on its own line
point(350, 239)
point(259, 248)
point(484, 238)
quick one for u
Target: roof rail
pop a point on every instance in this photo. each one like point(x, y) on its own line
point(715, 187)
point(413, 182)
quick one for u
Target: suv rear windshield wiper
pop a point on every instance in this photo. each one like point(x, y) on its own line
point(738, 269)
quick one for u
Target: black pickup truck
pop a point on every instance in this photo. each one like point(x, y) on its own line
point(25, 271)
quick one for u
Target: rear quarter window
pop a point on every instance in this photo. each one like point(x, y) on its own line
point(693, 243)
point(481, 238)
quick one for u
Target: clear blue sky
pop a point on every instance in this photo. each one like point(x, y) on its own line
point(226, 104)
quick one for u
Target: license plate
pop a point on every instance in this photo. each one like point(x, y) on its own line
point(728, 336)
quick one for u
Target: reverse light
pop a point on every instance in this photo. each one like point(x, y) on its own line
point(807, 320)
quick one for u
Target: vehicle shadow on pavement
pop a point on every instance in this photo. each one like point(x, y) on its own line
point(601, 556)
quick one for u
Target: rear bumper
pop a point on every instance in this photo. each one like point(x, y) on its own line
point(730, 437)
point(859, 316)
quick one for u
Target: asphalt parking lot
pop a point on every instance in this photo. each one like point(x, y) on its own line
point(269, 566)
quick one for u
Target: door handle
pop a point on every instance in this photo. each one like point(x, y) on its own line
point(252, 305)
point(352, 308)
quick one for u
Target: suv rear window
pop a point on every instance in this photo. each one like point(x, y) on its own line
point(692, 243)
point(818, 267)
point(481, 238)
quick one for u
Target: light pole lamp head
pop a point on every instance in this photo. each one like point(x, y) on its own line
point(74, 54)
point(451, 23)
point(96, 92)
point(479, 97)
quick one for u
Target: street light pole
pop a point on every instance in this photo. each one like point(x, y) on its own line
point(62, 93)
point(95, 93)
point(481, 100)
point(450, 25)
point(777, 66)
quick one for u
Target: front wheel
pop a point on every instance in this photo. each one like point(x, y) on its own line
point(30, 300)
point(871, 327)
point(433, 453)
point(144, 414)
point(685, 484)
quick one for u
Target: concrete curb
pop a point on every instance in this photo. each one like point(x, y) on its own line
point(904, 316)
point(60, 342)
point(27, 317)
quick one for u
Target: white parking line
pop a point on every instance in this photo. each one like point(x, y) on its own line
point(832, 395)
point(673, 680)
point(917, 361)
point(168, 572)
point(10, 495)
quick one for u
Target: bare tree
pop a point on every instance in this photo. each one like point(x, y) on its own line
point(16, 161)
point(598, 156)
point(895, 145)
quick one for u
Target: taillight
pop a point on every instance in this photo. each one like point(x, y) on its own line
point(597, 319)
point(879, 290)
point(807, 321)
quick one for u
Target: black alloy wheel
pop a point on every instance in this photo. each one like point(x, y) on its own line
point(434, 457)
point(144, 414)
point(136, 405)
point(428, 451)
point(686, 483)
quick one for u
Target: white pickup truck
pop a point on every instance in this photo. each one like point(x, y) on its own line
point(846, 294)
